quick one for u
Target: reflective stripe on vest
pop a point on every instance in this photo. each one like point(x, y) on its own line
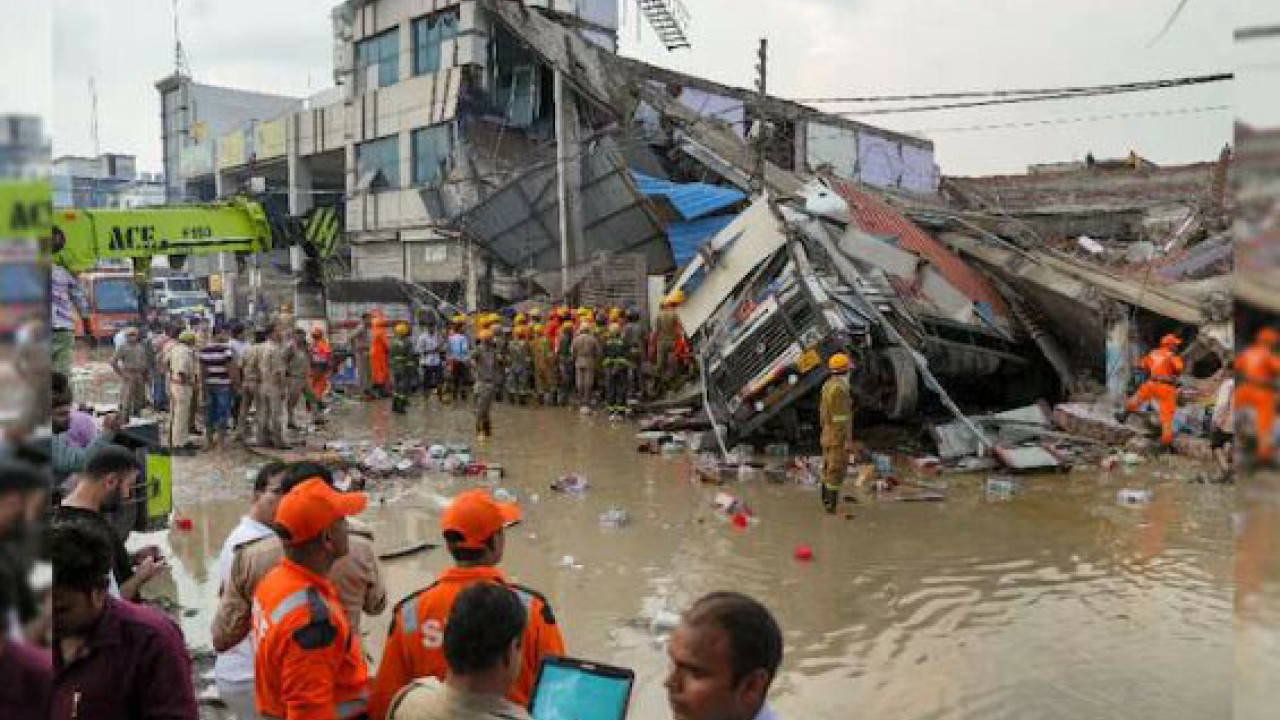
point(288, 605)
point(408, 618)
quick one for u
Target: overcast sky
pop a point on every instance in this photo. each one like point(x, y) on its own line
point(818, 48)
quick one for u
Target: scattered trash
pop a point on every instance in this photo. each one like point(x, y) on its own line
point(1131, 458)
point(495, 472)
point(1132, 496)
point(926, 465)
point(728, 504)
point(571, 483)
point(569, 562)
point(184, 524)
point(882, 463)
point(1110, 462)
point(920, 496)
point(504, 495)
point(741, 520)
point(1002, 487)
point(664, 621)
point(803, 552)
point(614, 519)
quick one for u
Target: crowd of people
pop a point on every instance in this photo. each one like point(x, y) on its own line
point(255, 382)
point(296, 578)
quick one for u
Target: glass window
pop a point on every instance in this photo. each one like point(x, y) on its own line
point(380, 51)
point(382, 155)
point(428, 34)
point(115, 296)
point(435, 254)
point(432, 155)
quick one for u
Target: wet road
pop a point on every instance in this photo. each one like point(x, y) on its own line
point(1057, 603)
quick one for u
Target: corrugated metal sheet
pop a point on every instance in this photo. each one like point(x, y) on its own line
point(687, 237)
point(877, 217)
point(691, 200)
point(520, 222)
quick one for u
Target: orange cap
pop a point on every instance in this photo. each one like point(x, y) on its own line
point(477, 517)
point(1170, 340)
point(1268, 336)
point(310, 508)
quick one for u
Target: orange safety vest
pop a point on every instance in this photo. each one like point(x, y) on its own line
point(415, 641)
point(308, 664)
point(1258, 365)
point(1162, 365)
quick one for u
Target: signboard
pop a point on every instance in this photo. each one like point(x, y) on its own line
point(232, 150)
point(269, 139)
point(196, 160)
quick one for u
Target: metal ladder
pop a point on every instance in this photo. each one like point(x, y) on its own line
point(664, 22)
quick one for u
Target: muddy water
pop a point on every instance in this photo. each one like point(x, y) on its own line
point(1057, 603)
point(1257, 599)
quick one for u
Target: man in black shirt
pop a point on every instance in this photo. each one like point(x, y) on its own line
point(107, 480)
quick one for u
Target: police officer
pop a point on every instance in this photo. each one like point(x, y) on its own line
point(403, 364)
point(272, 390)
point(182, 371)
point(836, 419)
point(130, 363)
point(485, 366)
point(586, 355)
point(250, 385)
point(298, 364)
point(474, 528)
point(308, 664)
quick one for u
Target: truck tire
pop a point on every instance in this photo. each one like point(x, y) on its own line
point(904, 393)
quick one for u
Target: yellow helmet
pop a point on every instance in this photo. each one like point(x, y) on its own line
point(839, 363)
point(675, 298)
point(402, 328)
point(486, 334)
point(537, 329)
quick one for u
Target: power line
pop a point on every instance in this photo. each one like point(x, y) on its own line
point(1089, 118)
point(1079, 89)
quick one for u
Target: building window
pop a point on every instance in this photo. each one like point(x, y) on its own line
point(435, 254)
point(429, 33)
point(381, 52)
point(382, 156)
point(432, 155)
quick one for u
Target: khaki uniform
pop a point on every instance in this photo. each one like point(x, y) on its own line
point(430, 699)
point(357, 576)
point(182, 370)
point(836, 419)
point(360, 344)
point(250, 382)
point(131, 359)
point(272, 393)
point(586, 357)
point(299, 368)
point(487, 374)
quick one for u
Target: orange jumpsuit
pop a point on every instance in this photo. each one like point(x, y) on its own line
point(1163, 368)
point(319, 375)
point(1257, 369)
point(380, 356)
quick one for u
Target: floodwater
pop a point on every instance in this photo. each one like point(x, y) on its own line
point(1055, 603)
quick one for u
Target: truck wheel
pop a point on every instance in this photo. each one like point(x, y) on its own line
point(903, 389)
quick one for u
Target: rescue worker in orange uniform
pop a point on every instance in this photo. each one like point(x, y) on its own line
point(1257, 375)
point(308, 664)
point(321, 355)
point(1163, 366)
point(474, 527)
point(380, 357)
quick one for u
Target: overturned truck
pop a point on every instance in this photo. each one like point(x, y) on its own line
point(789, 283)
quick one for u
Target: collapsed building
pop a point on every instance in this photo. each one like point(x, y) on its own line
point(497, 151)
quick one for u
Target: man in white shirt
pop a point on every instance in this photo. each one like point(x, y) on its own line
point(724, 656)
point(233, 669)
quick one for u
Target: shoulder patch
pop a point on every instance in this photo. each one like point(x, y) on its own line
point(319, 632)
point(403, 613)
point(548, 616)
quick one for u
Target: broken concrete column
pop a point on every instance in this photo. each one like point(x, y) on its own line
point(1118, 363)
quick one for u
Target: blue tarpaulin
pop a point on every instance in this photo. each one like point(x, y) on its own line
point(687, 237)
point(691, 200)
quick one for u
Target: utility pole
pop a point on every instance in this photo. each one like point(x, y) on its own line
point(93, 120)
point(568, 181)
point(761, 129)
